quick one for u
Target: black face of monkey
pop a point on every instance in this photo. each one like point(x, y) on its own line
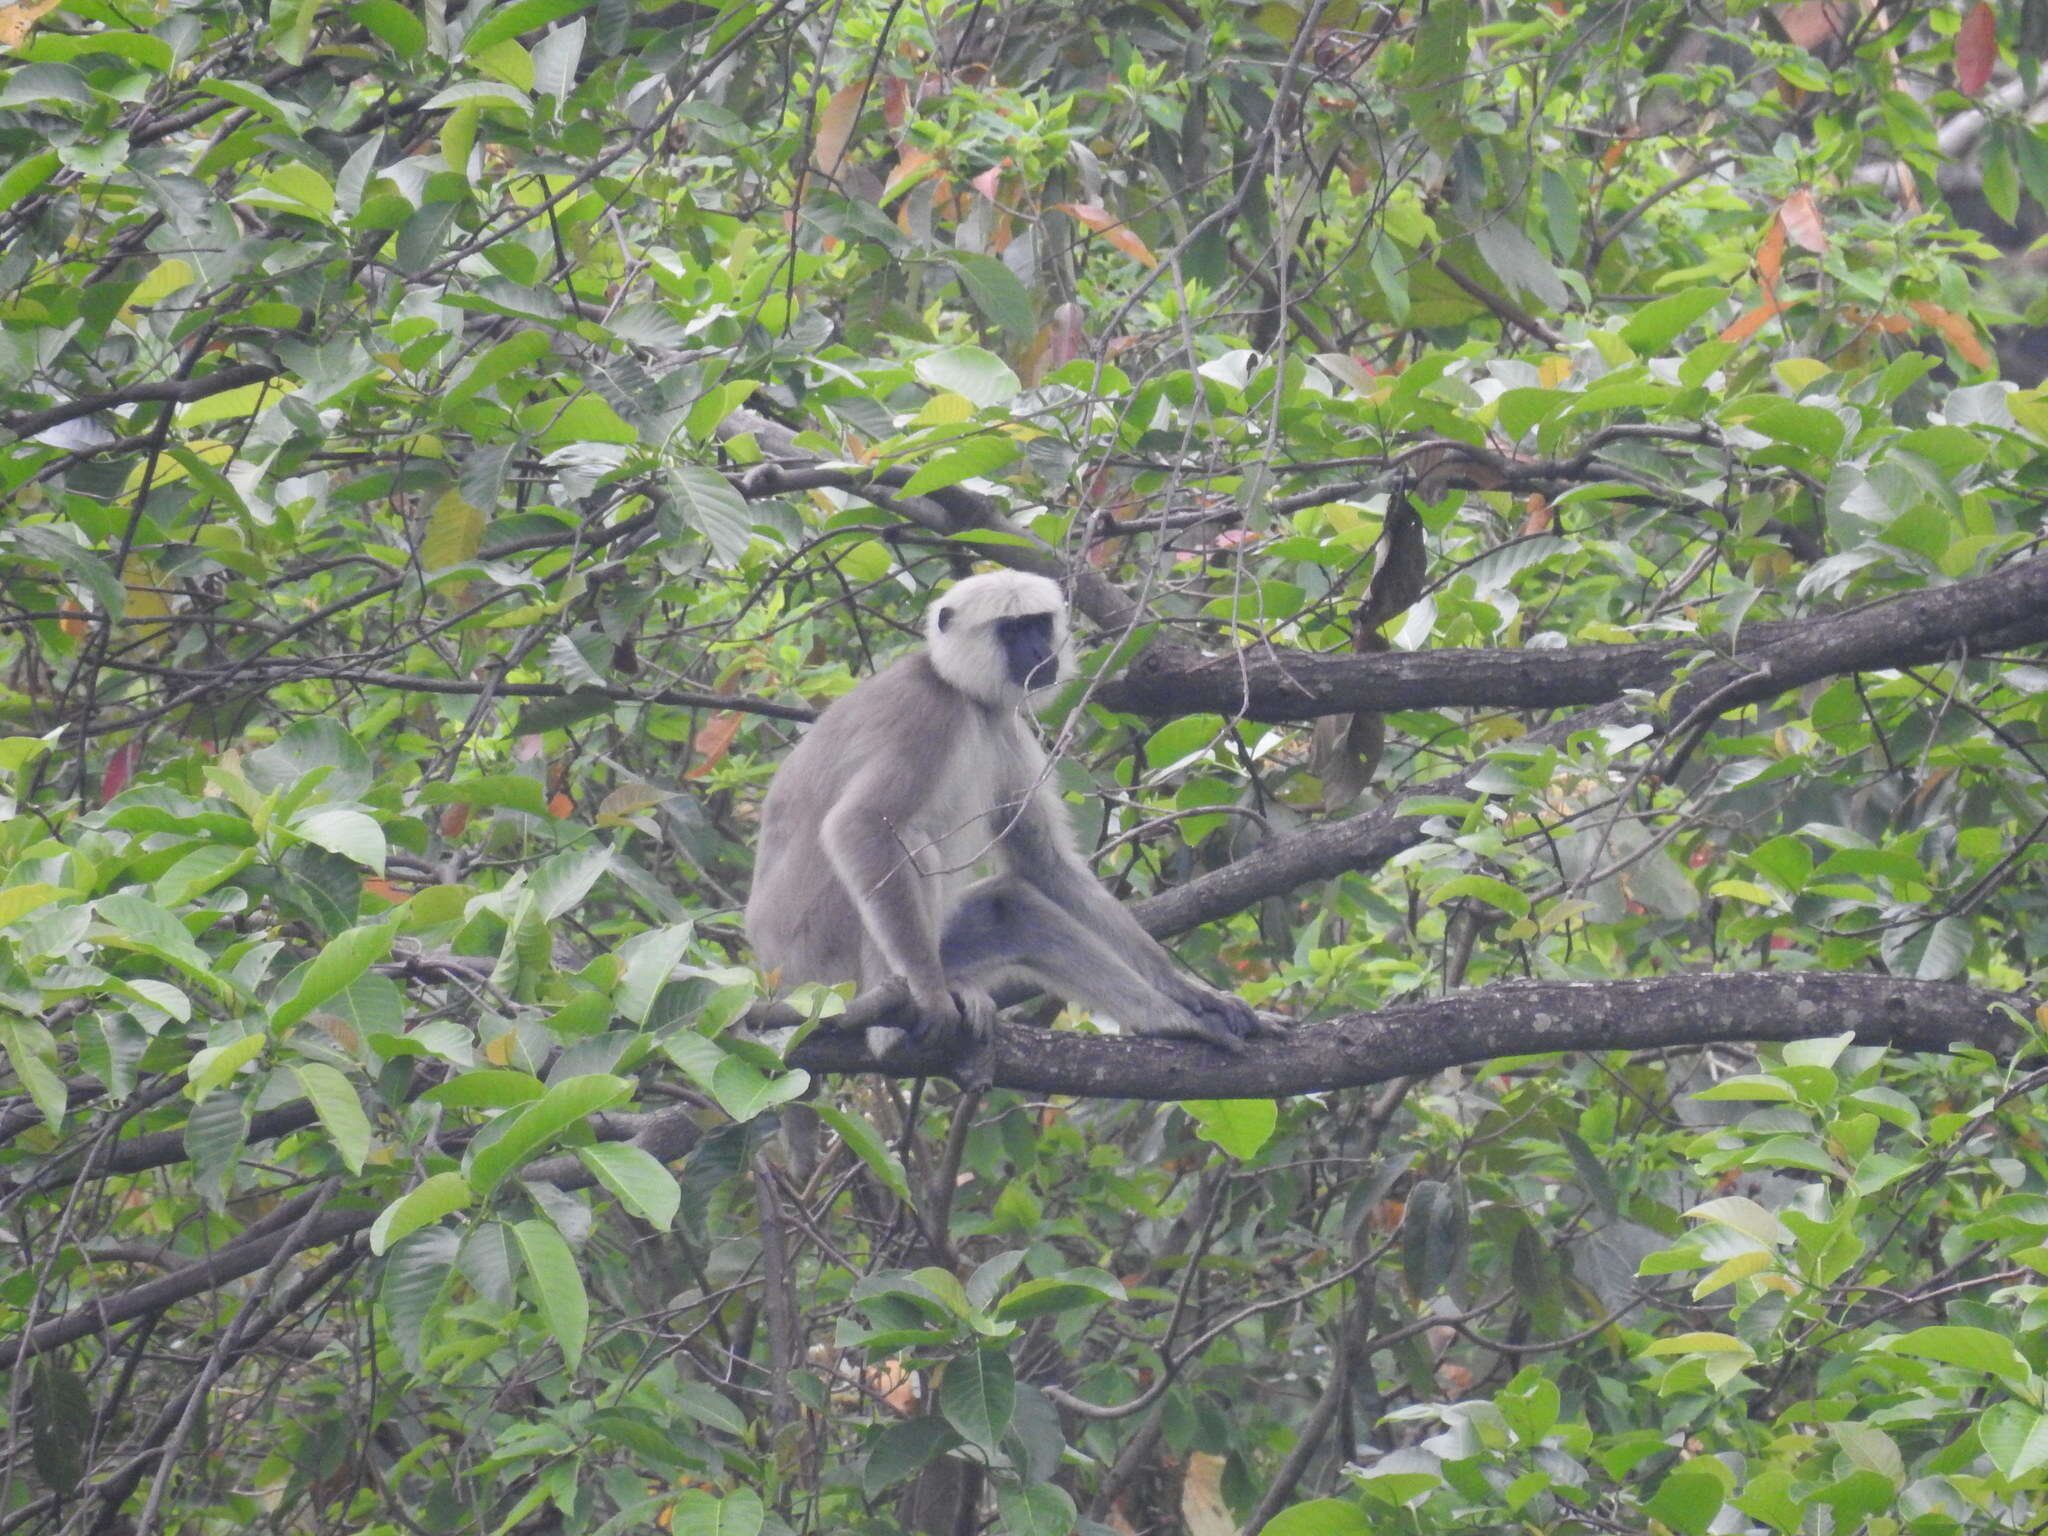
point(1027, 649)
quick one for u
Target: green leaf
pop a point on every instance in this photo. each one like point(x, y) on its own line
point(1239, 1126)
point(704, 502)
point(1034, 1509)
point(977, 1395)
point(60, 1424)
point(1660, 322)
point(558, 1287)
point(215, 1133)
point(976, 458)
point(868, 1146)
point(1975, 1349)
point(1435, 1226)
point(420, 1206)
point(415, 1275)
point(339, 964)
point(566, 1104)
point(199, 872)
point(341, 1112)
point(1688, 1500)
point(1072, 1290)
point(513, 19)
point(1320, 1517)
point(1495, 893)
point(697, 1513)
point(486, 1088)
point(903, 1449)
point(974, 372)
point(352, 834)
point(516, 354)
point(642, 1184)
point(142, 925)
point(32, 1053)
point(997, 292)
point(744, 1091)
point(17, 901)
point(210, 1068)
point(26, 176)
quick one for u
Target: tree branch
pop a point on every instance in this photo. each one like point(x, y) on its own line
point(2002, 611)
point(1510, 1019)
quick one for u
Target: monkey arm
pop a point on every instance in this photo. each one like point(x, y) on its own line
point(872, 850)
point(872, 845)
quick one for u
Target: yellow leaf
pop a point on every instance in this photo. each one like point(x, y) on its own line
point(455, 529)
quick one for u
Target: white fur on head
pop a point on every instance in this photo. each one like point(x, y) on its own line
point(960, 632)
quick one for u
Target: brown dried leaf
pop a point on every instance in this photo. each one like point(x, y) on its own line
point(17, 21)
point(1745, 326)
point(1801, 217)
point(835, 127)
point(1955, 330)
point(1112, 229)
point(713, 742)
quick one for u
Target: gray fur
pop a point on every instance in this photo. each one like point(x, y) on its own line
point(873, 829)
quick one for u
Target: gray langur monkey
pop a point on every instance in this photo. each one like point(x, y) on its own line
point(872, 829)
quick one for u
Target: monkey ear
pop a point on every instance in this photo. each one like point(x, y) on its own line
point(945, 620)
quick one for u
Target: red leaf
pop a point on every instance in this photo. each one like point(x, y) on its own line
point(1976, 48)
point(120, 769)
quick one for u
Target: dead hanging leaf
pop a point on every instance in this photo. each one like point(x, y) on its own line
point(895, 102)
point(1201, 1498)
point(1343, 752)
point(1745, 326)
point(713, 742)
point(1801, 217)
point(1976, 48)
point(835, 127)
point(1112, 229)
point(1955, 330)
point(454, 819)
point(17, 21)
point(1813, 24)
point(1539, 516)
point(560, 806)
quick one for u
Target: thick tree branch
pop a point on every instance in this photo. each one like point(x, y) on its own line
point(2002, 611)
point(176, 391)
point(1510, 1019)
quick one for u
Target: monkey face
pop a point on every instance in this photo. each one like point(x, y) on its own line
point(1028, 650)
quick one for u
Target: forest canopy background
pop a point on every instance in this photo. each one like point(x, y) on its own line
point(1551, 494)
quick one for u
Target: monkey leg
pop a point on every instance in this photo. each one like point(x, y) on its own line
point(1005, 928)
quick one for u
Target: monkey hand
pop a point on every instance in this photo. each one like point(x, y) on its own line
point(1222, 1019)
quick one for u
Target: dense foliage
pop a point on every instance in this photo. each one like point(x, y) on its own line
point(1543, 507)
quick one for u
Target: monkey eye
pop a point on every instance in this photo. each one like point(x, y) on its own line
point(945, 619)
